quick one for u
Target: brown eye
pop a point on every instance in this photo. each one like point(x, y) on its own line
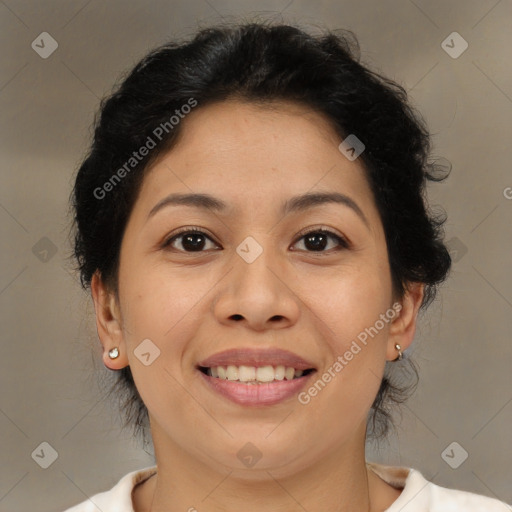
point(191, 240)
point(317, 240)
point(196, 240)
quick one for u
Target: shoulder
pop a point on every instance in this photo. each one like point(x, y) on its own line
point(119, 497)
point(444, 500)
point(418, 494)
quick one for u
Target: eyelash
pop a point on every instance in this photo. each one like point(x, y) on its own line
point(343, 243)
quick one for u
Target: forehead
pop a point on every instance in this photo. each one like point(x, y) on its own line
point(251, 154)
point(236, 117)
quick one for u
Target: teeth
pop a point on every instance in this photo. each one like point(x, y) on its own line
point(232, 372)
point(246, 373)
point(253, 375)
point(279, 372)
point(265, 374)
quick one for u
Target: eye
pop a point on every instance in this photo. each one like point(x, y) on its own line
point(317, 240)
point(191, 239)
point(195, 240)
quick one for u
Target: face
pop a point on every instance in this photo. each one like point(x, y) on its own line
point(254, 283)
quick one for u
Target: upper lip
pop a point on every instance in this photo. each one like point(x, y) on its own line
point(257, 357)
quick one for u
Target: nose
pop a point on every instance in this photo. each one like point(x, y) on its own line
point(258, 294)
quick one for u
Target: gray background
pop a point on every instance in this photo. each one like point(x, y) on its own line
point(51, 390)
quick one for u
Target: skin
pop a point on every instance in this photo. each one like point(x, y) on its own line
point(194, 304)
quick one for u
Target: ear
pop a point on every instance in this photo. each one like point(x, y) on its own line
point(403, 326)
point(108, 323)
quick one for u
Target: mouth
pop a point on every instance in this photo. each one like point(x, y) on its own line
point(255, 377)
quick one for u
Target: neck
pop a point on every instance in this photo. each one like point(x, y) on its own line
point(336, 481)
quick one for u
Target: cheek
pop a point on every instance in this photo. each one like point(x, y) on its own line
point(350, 319)
point(155, 305)
point(166, 308)
point(347, 301)
point(160, 321)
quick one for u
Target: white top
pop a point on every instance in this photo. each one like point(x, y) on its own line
point(418, 494)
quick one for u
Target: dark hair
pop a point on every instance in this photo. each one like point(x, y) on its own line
point(261, 63)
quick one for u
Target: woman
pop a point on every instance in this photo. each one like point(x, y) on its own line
point(250, 220)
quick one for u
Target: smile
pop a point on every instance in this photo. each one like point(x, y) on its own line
point(253, 375)
point(270, 390)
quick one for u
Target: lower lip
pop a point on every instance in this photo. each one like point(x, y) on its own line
point(269, 393)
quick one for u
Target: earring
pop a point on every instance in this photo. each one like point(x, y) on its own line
point(113, 353)
point(400, 355)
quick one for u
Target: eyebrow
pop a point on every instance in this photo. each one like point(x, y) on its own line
point(293, 205)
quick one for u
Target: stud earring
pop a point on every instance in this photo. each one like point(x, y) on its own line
point(113, 353)
point(400, 355)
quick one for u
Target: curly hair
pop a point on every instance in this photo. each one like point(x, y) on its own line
point(260, 63)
